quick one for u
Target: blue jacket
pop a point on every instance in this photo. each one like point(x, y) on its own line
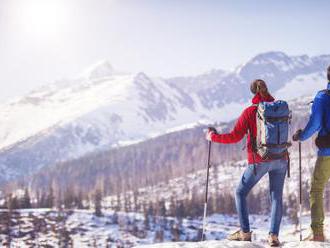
point(319, 120)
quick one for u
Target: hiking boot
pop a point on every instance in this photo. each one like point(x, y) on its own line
point(315, 237)
point(240, 236)
point(273, 240)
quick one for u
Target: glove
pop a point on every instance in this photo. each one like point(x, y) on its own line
point(210, 132)
point(209, 135)
point(296, 136)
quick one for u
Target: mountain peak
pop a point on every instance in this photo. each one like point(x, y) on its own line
point(272, 55)
point(101, 69)
point(141, 76)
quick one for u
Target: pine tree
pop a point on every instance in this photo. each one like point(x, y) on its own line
point(79, 200)
point(146, 217)
point(162, 213)
point(12, 203)
point(180, 211)
point(175, 232)
point(162, 208)
point(172, 207)
point(69, 199)
point(118, 204)
point(115, 218)
point(127, 203)
point(49, 203)
point(26, 201)
point(135, 201)
point(159, 236)
point(97, 203)
point(42, 200)
point(210, 205)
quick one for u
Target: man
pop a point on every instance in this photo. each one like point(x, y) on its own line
point(319, 121)
point(257, 168)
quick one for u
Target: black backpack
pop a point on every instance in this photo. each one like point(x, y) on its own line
point(324, 141)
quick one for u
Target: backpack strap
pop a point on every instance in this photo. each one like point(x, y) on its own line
point(277, 156)
point(274, 119)
point(327, 92)
point(254, 145)
point(283, 145)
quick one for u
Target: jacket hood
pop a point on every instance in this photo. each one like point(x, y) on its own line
point(258, 99)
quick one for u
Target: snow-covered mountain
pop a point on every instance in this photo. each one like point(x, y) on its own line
point(104, 108)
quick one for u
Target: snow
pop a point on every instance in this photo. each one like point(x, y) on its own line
point(108, 110)
point(233, 244)
point(82, 229)
point(305, 85)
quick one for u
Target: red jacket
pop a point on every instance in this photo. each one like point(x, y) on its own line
point(245, 124)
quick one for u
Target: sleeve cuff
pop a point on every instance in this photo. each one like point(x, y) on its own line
point(213, 135)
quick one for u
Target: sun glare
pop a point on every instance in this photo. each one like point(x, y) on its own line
point(41, 18)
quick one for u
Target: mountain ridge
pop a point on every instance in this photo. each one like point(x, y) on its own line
point(61, 122)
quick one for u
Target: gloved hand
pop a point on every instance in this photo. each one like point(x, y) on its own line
point(209, 135)
point(296, 136)
point(210, 131)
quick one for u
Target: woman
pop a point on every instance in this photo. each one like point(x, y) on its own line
point(257, 168)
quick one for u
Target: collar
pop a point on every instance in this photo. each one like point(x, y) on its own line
point(258, 98)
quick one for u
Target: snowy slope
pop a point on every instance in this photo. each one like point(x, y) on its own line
point(81, 228)
point(234, 244)
point(47, 127)
point(104, 108)
point(134, 104)
point(306, 85)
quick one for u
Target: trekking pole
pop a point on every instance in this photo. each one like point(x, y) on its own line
point(206, 190)
point(300, 193)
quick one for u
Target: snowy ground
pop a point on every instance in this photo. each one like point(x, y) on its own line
point(80, 228)
point(289, 236)
point(234, 244)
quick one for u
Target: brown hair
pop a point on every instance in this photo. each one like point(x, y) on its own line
point(254, 87)
point(329, 73)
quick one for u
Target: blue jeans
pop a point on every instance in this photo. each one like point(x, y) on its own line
point(277, 171)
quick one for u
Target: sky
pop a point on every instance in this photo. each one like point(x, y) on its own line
point(42, 41)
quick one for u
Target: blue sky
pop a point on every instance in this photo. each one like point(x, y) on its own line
point(45, 40)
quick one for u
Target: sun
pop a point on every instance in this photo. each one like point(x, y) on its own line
point(41, 18)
